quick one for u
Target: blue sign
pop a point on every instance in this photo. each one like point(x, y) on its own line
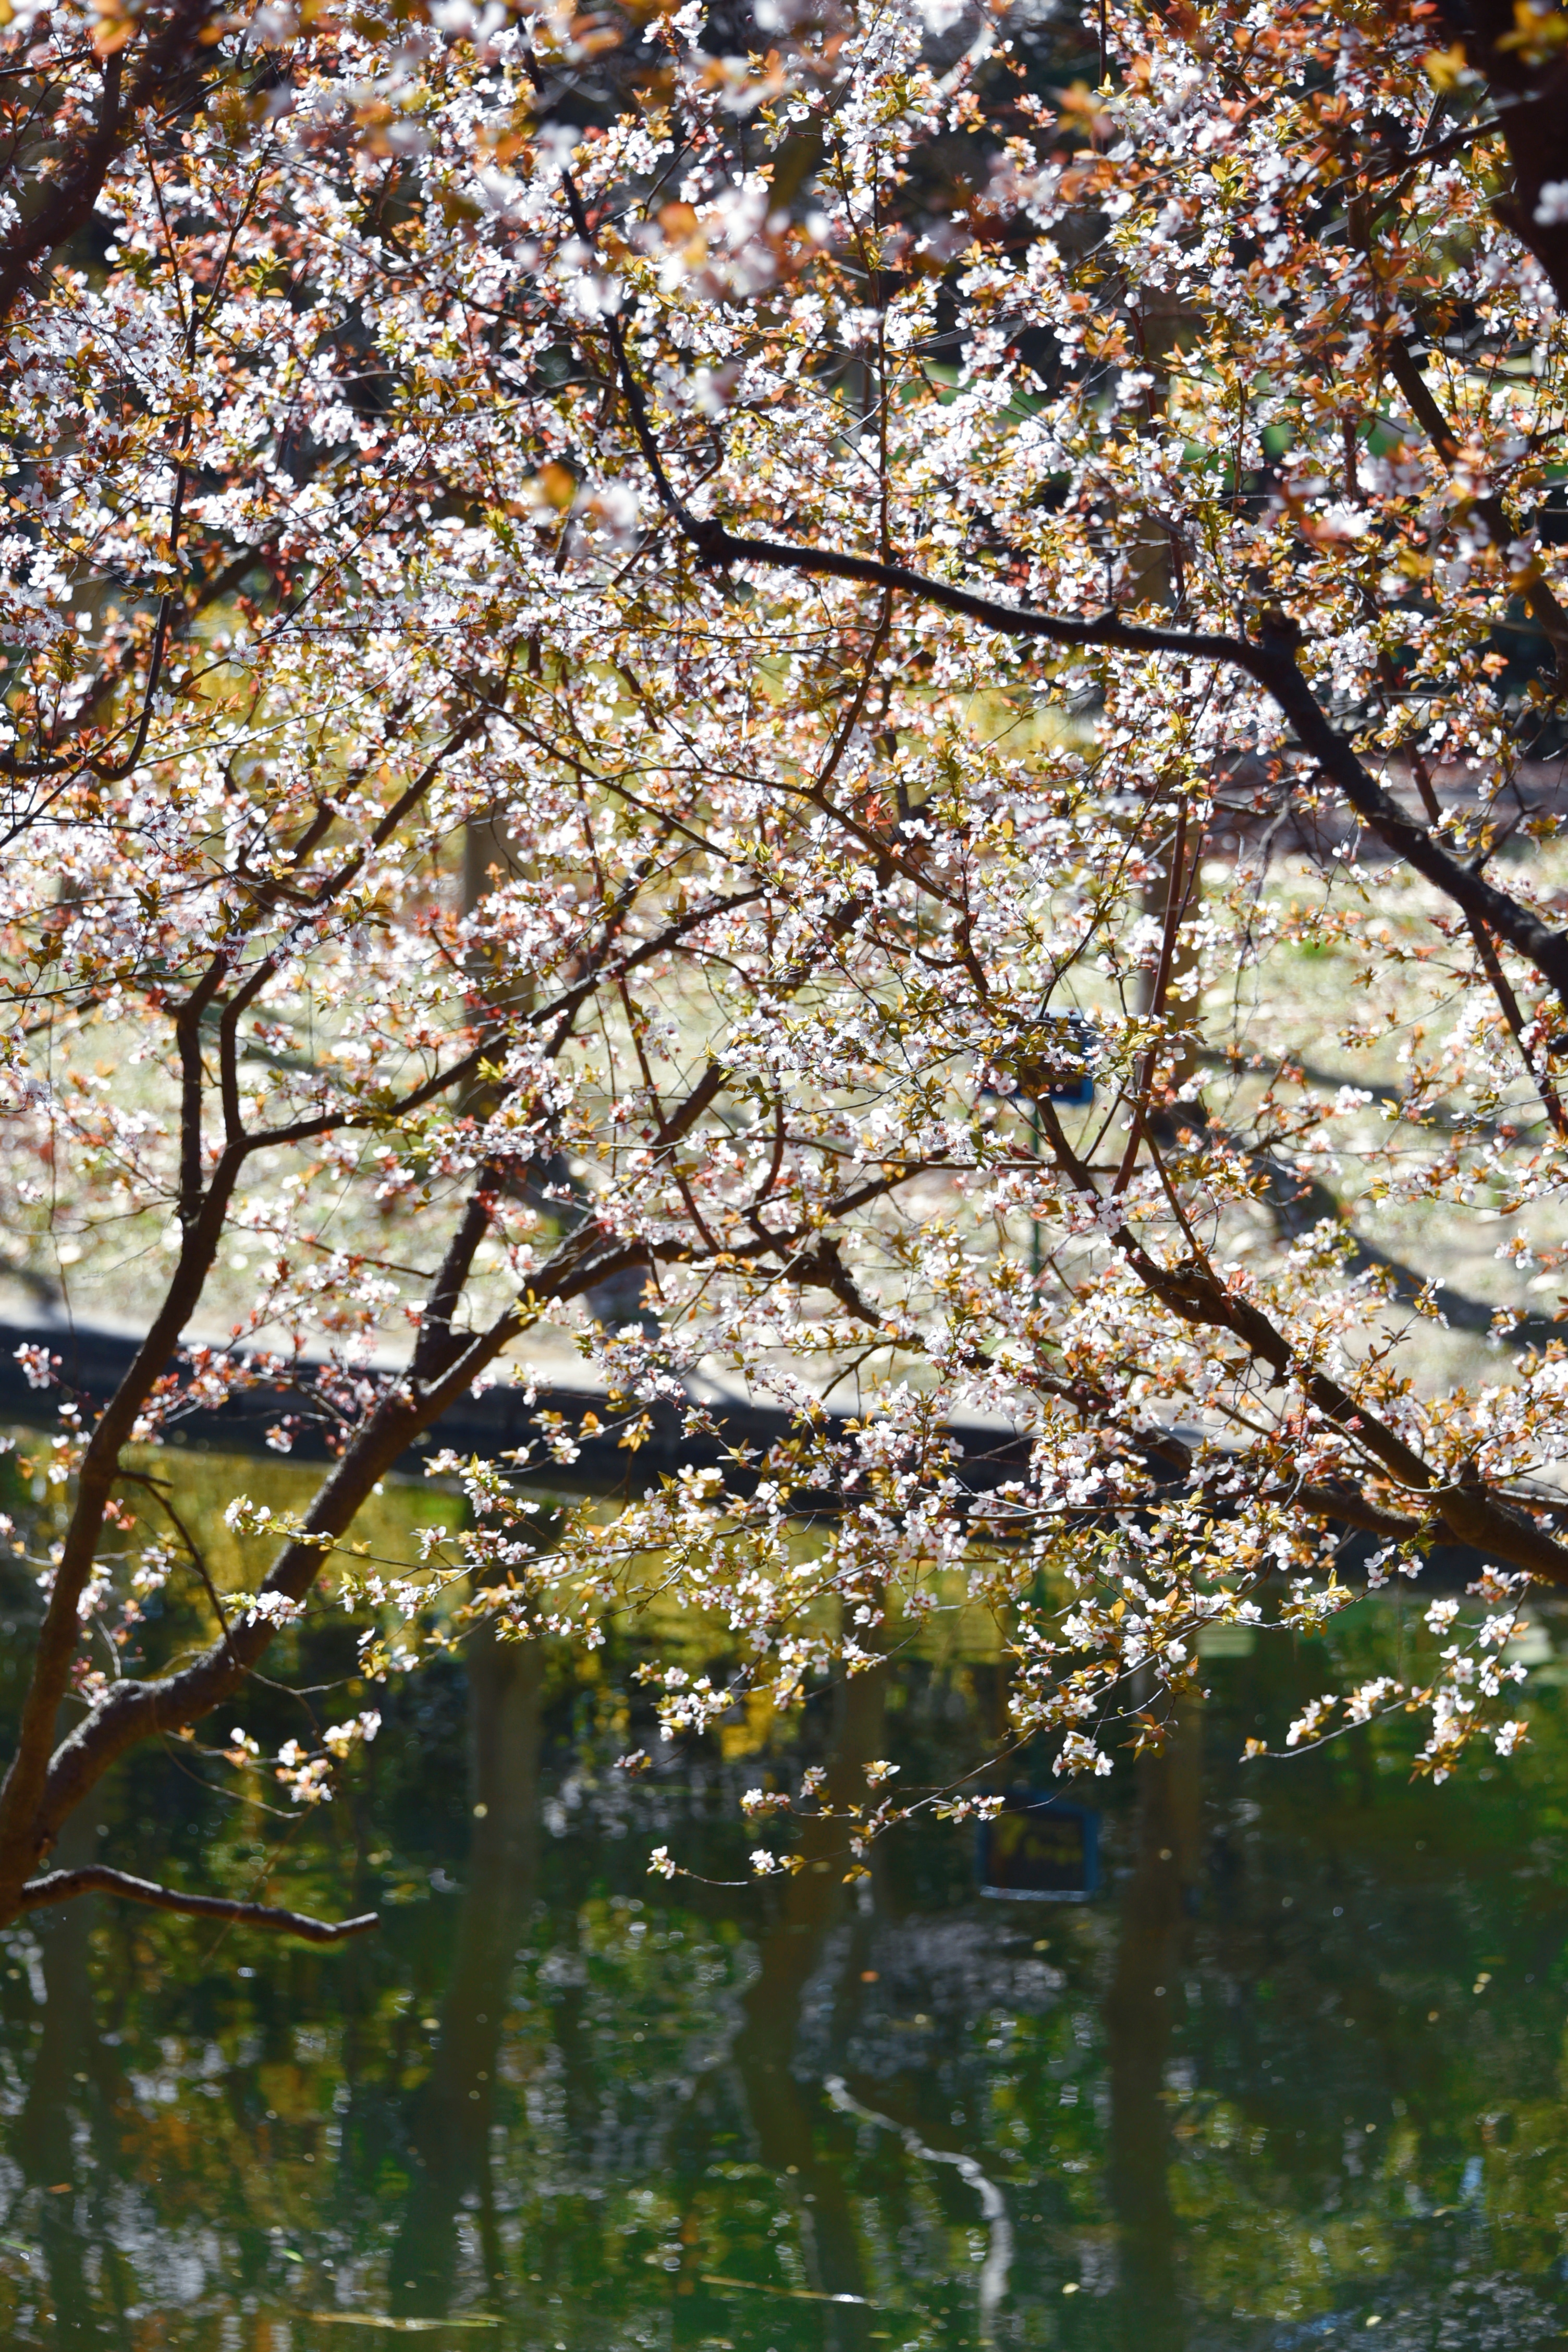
point(1039, 1849)
point(1054, 1060)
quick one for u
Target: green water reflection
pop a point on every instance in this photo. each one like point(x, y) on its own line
point(1294, 2079)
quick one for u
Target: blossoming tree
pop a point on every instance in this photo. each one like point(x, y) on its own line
point(828, 703)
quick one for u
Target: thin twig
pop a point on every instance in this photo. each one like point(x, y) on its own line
point(1491, 964)
point(154, 1487)
point(1178, 891)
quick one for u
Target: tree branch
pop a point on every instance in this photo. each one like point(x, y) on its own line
point(133, 1710)
point(171, 49)
point(1270, 660)
point(96, 1877)
point(61, 1631)
point(1500, 985)
point(1194, 1293)
point(1544, 608)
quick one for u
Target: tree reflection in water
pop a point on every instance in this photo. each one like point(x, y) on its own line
point(1294, 2071)
point(786, 2111)
point(1140, 2005)
point(451, 2112)
point(71, 2087)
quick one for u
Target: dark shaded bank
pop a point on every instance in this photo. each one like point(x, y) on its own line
point(93, 1362)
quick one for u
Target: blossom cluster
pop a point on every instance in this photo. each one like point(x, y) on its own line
point(1065, 1011)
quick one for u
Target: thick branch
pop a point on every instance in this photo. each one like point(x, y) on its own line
point(69, 196)
point(1529, 93)
point(1346, 1503)
point(1269, 660)
point(1403, 367)
point(133, 1710)
point(61, 1630)
point(1194, 1293)
point(96, 1878)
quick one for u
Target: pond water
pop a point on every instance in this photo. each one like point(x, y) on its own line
point(1294, 2078)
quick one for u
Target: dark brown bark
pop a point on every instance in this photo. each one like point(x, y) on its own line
point(96, 1877)
point(1270, 659)
point(20, 1849)
point(1193, 1291)
point(155, 66)
point(1527, 85)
